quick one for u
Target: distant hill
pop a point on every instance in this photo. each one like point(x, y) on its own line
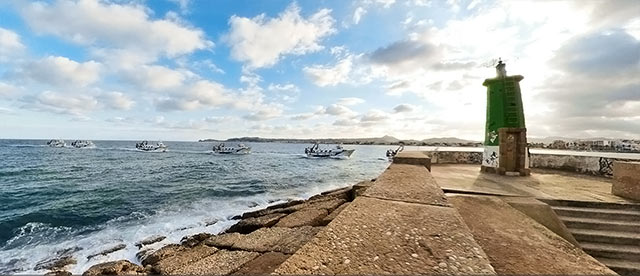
point(384, 140)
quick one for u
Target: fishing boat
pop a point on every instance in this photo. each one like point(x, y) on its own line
point(337, 152)
point(145, 146)
point(239, 149)
point(57, 143)
point(392, 153)
point(82, 144)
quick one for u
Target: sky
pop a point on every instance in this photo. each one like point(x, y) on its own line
point(188, 70)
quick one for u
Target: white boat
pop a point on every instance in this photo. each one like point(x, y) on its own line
point(392, 153)
point(82, 144)
point(145, 146)
point(57, 143)
point(239, 149)
point(337, 152)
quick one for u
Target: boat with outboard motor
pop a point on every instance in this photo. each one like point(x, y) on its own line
point(56, 143)
point(82, 144)
point(239, 149)
point(337, 152)
point(392, 153)
point(145, 146)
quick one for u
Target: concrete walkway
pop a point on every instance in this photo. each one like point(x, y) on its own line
point(545, 184)
point(402, 225)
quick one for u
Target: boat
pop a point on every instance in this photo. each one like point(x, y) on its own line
point(337, 152)
point(57, 143)
point(82, 144)
point(145, 146)
point(392, 153)
point(239, 149)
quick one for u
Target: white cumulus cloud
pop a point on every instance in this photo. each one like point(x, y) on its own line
point(262, 41)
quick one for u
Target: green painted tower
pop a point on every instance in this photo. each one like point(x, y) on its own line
point(504, 111)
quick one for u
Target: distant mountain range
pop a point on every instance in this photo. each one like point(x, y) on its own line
point(384, 140)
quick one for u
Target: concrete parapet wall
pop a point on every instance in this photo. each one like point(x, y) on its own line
point(413, 158)
point(593, 165)
point(626, 180)
point(402, 224)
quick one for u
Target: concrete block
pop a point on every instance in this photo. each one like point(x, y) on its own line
point(543, 214)
point(376, 236)
point(413, 158)
point(409, 183)
point(626, 180)
point(518, 245)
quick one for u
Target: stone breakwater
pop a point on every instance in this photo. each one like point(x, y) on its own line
point(257, 244)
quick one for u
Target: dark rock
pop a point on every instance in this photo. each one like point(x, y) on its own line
point(328, 205)
point(150, 240)
point(278, 208)
point(249, 225)
point(263, 265)
point(341, 193)
point(58, 273)
point(122, 267)
point(307, 216)
point(57, 263)
point(211, 222)
point(108, 251)
point(194, 240)
point(160, 254)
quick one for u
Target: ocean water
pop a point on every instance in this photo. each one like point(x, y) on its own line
point(89, 200)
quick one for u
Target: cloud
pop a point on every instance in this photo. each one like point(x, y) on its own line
point(103, 24)
point(350, 101)
point(323, 75)
point(77, 105)
point(303, 116)
point(117, 100)
point(61, 71)
point(283, 87)
point(339, 110)
point(601, 54)
point(155, 77)
point(263, 115)
point(403, 108)
point(10, 44)
point(406, 54)
point(374, 115)
point(357, 14)
point(262, 41)
point(7, 90)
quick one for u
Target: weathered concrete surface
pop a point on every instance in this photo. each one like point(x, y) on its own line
point(171, 264)
point(379, 236)
point(545, 184)
point(413, 158)
point(626, 180)
point(516, 244)
point(326, 220)
point(265, 264)
point(220, 263)
point(407, 183)
point(543, 214)
point(307, 216)
point(122, 267)
point(279, 239)
point(455, 157)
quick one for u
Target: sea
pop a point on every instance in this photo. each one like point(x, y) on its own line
point(56, 201)
point(84, 201)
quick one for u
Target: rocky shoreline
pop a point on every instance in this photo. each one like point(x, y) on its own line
point(257, 244)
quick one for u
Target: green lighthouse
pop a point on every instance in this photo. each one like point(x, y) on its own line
point(505, 132)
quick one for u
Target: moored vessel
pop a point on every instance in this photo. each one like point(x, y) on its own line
point(82, 144)
point(145, 146)
point(56, 143)
point(337, 152)
point(239, 149)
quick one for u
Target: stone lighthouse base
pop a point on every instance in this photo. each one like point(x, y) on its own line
point(512, 154)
